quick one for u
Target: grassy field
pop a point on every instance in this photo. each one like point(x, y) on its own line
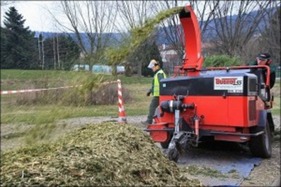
point(48, 113)
point(24, 79)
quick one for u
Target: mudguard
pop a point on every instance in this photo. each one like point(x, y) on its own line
point(270, 121)
point(262, 119)
point(265, 116)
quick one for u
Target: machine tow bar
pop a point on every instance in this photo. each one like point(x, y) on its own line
point(179, 141)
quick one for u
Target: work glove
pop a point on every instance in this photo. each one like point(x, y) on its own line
point(148, 92)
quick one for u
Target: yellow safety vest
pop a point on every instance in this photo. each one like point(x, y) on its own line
point(156, 85)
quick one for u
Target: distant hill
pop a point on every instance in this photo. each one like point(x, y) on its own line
point(210, 33)
point(115, 38)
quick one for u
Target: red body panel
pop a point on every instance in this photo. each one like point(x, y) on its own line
point(217, 111)
point(161, 135)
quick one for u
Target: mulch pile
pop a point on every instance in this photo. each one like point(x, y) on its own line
point(107, 154)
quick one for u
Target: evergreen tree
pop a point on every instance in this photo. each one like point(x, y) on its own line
point(69, 52)
point(18, 46)
point(152, 52)
point(143, 54)
point(270, 37)
point(3, 40)
point(61, 52)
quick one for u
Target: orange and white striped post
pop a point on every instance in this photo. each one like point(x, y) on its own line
point(122, 116)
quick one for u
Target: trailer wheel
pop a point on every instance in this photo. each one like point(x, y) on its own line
point(173, 154)
point(165, 145)
point(261, 145)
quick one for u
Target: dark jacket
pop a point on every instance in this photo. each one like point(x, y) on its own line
point(272, 72)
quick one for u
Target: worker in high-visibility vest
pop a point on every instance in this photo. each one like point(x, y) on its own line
point(154, 90)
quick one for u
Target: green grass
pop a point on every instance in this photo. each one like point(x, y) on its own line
point(27, 75)
point(276, 106)
point(36, 74)
point(276, 102)
point(41, 114)
point(28, 79)
point(49, 113)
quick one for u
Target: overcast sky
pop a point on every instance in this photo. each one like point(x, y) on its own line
point(35, 13)
point(37, 16)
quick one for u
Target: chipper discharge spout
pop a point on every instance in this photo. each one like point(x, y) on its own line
point(193, 59)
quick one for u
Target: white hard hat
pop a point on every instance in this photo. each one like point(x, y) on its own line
point(152, 63)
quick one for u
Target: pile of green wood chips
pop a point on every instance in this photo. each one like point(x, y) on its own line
point(108, 154)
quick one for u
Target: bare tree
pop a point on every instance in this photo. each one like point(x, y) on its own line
point(89, 20)
point(268, 38)
point(171, 30)
point(270, 33)
point(134, 14)
point(234, 26)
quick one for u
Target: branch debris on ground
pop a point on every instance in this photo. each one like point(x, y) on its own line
point(107, 154)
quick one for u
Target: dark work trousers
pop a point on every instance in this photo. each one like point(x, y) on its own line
point(152, 107)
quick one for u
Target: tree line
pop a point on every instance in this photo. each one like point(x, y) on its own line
point(243, 37)
point(21, 49)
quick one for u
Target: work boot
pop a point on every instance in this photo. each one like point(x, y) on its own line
point(145, 123)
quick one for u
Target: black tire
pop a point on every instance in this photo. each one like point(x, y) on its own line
point(165, 145)
point(261, 145)
point(173, 154)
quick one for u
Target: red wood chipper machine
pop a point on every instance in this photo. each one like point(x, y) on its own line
point(222, 103)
